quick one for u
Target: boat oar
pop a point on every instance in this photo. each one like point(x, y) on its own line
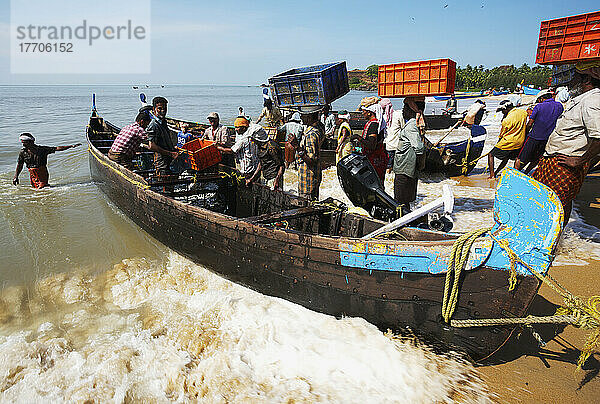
point(446, 200)
point(449, 132)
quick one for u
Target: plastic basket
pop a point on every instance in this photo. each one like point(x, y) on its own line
point(427, 77)
point(569, 39)
point(310, 86)
point(202, 153)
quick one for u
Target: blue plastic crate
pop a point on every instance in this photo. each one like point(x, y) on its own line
point(562, 74)
point(310, 86)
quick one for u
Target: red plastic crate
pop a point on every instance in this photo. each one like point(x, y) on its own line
point(427, 77)
point(569, 39)
point(203, 153)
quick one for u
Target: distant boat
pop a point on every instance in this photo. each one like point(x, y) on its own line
point(530, 90)
point(135, 87)
point(499, 92)
point(460, 96)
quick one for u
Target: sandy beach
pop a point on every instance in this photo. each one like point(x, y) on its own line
point(523, 372)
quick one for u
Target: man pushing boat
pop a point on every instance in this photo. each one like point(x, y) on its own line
point(35, 158)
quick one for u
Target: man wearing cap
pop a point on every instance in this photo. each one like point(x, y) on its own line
point(159, 136)
point(244, 149)
point(270, 160)
point(512, 136)
point(35, 158)
point(308, 151)
point(575, 141)
point(539, 126)
point(221, 136)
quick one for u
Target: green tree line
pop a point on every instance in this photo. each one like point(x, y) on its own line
point(477, 78)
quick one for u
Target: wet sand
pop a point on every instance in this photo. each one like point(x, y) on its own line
point(523, 372)
point(549, 374)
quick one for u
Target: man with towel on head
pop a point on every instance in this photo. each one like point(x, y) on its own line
point(512, 136)
point(35, 158)
point(244, 149)
point(575, 141)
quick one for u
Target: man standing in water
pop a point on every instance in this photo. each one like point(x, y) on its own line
point(159, 136)
point(576, 139)
point(35, 158)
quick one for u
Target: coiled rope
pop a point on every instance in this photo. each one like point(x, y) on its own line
point(576, 311)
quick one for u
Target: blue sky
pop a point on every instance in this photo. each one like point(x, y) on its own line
point(242, 42)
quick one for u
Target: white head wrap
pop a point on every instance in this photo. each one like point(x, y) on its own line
point(26, 137)
point(379, 115)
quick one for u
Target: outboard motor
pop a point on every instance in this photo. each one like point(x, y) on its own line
point(361, 184)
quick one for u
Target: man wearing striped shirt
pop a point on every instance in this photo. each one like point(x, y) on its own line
point(128, 141)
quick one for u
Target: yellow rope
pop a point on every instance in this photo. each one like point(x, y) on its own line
point(465, 163)
point(138, 184)
point(457, 263)
point(584, 315)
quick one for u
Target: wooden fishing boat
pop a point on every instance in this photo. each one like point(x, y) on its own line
point(313, 254)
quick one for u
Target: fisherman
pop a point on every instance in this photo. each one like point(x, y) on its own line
point(271, 113)
point(344, 145)
point(451, 105)
point(309, 156)
point(271, 163)
point(373, 134)
point(329, 122)
point(474, 114)
point(540, 125)
point(409, 157)
point(575, 141)
point(244, 149)
point(159, 136)
point(290, 130)
point(35, 158)
point(512, 136)
point(129, 140)
point(222, 137)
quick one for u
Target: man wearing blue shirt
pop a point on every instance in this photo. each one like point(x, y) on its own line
point(540, 125)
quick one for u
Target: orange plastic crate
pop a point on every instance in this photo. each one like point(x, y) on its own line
point(427, 77)
point(569, 39)
point(203, 153)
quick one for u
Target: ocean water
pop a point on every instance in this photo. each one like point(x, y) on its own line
point(92, 308)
